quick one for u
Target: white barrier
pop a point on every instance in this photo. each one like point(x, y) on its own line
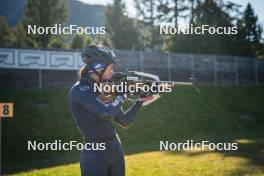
point(39, 59)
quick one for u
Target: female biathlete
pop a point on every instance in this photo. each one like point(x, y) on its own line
point(94, 118)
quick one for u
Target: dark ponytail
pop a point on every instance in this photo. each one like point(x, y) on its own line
point(84, 71)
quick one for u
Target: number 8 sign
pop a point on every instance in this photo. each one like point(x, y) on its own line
point(6, 109)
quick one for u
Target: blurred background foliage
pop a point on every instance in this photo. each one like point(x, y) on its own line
point(140, 33)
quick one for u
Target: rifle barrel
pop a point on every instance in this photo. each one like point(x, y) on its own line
point(176, 83)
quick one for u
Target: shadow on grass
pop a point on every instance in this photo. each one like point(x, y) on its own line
point(33, 163)
point(250, 148)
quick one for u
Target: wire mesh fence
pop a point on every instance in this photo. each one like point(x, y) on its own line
point(40, 68)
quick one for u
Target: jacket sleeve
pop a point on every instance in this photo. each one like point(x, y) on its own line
point(125, 119)
point(92, 103)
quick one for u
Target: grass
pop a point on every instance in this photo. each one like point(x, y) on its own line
point(167, 163)
point(217, 114)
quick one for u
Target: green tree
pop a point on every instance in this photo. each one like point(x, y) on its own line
point(21, 38)
point(171, 10)
point(79, 41)
point(57, 42)
point(6, 37)
point(121, 29)
point(146, 10)
point(99, 39)
point(210, 13)
point(250, 32)
point(252, 28)
point(88, 40)
point(147, 13)
point(45, 14)
point(193, 3)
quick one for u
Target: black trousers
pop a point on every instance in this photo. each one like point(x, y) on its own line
point(109, 162)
